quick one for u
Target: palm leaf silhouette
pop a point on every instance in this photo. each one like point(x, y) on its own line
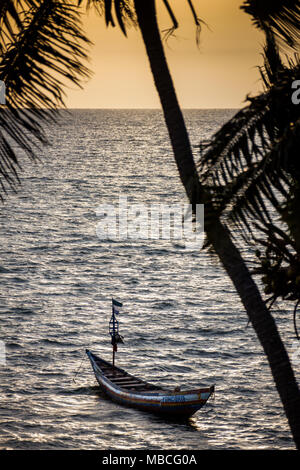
point(251, 165)
point(281, 17)
point(122, 10)
point(252, 158)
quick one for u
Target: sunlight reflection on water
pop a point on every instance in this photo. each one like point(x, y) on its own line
point(183, 323)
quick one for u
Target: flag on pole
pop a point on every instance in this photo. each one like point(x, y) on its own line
point(117, 306)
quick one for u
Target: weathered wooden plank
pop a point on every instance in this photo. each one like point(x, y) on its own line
point(131, 382)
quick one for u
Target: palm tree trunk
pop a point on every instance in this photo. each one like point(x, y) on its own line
point(218, 235)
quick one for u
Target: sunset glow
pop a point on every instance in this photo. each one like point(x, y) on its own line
point(218, 74)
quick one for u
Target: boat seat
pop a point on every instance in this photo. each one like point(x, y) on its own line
point(137, 385)
point(113, 374)
point(112, 377)
point(128, 382)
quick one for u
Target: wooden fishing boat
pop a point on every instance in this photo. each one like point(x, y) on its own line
point(129, 390)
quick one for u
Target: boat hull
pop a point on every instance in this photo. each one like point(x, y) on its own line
point(150, 398)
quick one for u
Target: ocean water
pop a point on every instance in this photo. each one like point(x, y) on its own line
point(183, 323)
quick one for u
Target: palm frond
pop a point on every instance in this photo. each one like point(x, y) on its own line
point(273, 64)
point(250, 160)
point(198, 21)
point(267, 180)
point(236, 144)
point(123, 10)
point(9, 20)
point(47, 50)
point(170, 31)
point(282, 17)
point(49, 46)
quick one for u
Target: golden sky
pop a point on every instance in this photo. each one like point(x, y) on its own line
point(219, 74)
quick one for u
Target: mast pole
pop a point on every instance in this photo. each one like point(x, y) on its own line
point(114, 338)
point(114, 329)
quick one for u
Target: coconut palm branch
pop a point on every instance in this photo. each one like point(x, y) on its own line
point(252, 158)
point(120, 11)
point(281, 17)
point(123, 13)
point(10, 21)
point(217, 234)
point(42, 47)
point(251, 167)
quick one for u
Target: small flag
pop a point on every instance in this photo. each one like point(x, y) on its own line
point(116, 306)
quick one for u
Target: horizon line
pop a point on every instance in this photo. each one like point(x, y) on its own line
point(140, 108)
